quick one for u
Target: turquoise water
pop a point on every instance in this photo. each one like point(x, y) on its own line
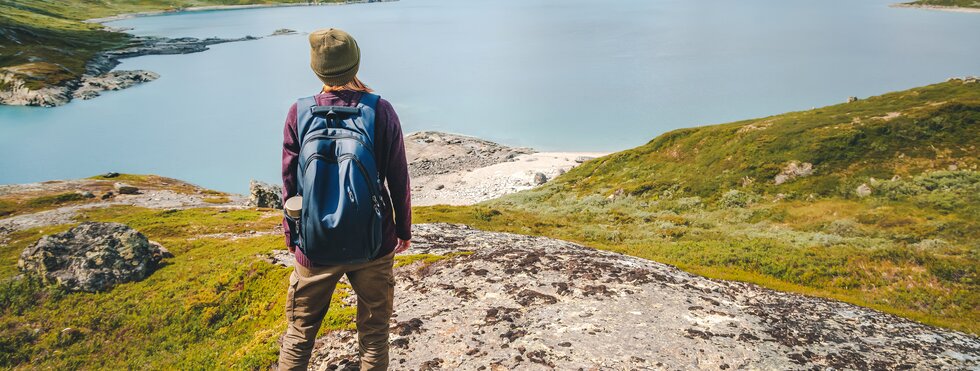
point(568, 75)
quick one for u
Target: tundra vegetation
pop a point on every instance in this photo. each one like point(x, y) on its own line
point(876, 204)
point(706, 199)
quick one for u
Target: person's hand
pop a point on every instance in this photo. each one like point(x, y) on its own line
point(402, 245)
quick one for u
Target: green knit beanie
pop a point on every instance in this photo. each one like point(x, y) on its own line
point(334, 56)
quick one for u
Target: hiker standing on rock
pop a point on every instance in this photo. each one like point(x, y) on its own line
point(340, 149)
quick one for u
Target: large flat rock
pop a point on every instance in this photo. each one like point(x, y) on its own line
point(520, 302)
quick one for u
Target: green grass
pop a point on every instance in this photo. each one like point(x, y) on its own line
point(46, 42)
point(215, 304)
point(705, 199)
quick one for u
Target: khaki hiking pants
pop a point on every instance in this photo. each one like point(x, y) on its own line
point(308, 299)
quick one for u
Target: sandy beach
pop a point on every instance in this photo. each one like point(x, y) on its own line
point(456, 169)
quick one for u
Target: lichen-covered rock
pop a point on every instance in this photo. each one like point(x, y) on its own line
point(262, 194)
point(92, 257)
point(792, 171)
point(512, 302)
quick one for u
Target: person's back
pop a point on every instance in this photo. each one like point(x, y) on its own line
point(335, 59)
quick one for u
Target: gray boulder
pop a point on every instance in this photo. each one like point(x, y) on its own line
point(92, 257)
point(262, 194)
point(540, 178)
point(126, 189)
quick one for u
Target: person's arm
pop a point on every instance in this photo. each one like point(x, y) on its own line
point(399, 184)
point(290, 161)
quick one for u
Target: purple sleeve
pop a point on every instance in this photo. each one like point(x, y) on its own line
point(290, 158)
point(399, 185)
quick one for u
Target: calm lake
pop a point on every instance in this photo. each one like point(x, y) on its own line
point(554, 75)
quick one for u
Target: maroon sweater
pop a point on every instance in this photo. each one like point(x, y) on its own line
point(389, 154)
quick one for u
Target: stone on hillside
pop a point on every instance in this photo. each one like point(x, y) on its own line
point(92, 257)
point(540, 178)
point(86, 194)
point(852, 99)
point(863, 190)
point(110, 174)
point(581, 159)
point(262, 194)
point(792, 171)
point(126, 189)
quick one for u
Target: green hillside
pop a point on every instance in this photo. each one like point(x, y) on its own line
point(950, 3)
point(706, 199)
point(46, 42)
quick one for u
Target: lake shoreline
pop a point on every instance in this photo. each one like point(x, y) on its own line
point(100, 74)
point(941, 8)
point(205, 8)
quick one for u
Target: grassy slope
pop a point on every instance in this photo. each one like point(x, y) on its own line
point(45, 41)
point(216, 304)
point(704, 199)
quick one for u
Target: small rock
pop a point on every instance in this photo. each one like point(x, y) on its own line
point(540, 178)
point(582, 159)
point(863, 190)
point(262, 194)
point(110, 175)
point(852, 99)
point(107, 195)
point(126, 189)
point(440, 186)
point(86, 194)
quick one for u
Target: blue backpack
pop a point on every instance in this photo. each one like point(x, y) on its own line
point(339, 181)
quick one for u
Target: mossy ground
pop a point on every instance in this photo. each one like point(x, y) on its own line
point(214, 305)
point(704, 199)
point(32, 201)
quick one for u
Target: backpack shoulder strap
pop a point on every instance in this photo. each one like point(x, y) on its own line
point(368, 105)
point(304, 111)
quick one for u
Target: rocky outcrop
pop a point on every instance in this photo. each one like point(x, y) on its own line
point(262, 194)
point(431, 153)
point(505, 301)
point(92, 257)
point(99, 75)
point(793, 170)
point(92, 86)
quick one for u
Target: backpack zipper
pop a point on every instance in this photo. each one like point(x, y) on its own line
point(375, 198)
point(328, 136)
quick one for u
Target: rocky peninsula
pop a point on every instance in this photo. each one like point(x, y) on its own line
point(99, 75)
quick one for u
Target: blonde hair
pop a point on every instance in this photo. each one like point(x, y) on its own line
point(354, 84)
